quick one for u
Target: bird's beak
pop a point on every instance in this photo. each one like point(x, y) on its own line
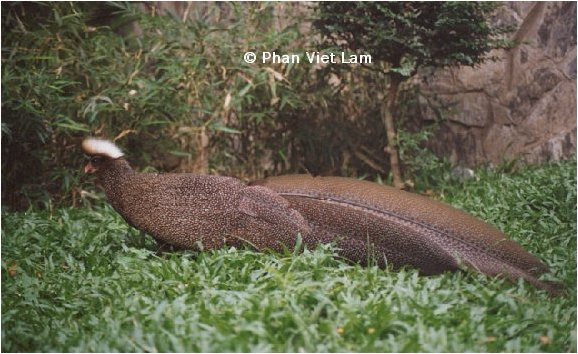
point(89, 168)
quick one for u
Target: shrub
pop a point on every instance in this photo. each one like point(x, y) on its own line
point(172, 86)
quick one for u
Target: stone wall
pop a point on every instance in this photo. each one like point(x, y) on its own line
point(520, 107)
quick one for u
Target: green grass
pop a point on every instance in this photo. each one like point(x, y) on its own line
point(76, 281)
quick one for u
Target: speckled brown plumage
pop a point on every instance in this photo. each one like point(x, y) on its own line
point(394, 227)
point(364, 220)
point(189, 211)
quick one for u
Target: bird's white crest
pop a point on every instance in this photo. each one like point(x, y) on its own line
point(93, 146)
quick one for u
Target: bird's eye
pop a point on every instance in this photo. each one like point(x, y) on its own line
point(97, 160)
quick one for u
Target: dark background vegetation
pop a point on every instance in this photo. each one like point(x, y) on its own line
point(404, 37)
point(177, 96)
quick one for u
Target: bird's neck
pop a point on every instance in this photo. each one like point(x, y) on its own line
point(111, 176)
point(114, 178)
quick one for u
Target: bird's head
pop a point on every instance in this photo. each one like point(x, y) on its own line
point(100, 152)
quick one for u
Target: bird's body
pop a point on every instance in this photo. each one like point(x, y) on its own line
point(190, 211)
point(364, 220)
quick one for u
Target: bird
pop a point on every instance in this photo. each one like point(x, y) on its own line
point(197, 212)
point(372, 222)
point(368, 223)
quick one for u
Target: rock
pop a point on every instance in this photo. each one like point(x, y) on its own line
point(462, 174)
point(520, 107)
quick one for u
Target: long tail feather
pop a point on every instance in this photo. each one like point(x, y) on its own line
point(409, 229)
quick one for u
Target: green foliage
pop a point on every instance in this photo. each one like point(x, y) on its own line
point(409, 35)
point(424, 169)
point(179, 88)
point(546, 201)
point(177, 95)
point(403, 37)
point(71, 282)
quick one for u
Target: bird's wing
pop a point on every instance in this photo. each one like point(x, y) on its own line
point(267, 221)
